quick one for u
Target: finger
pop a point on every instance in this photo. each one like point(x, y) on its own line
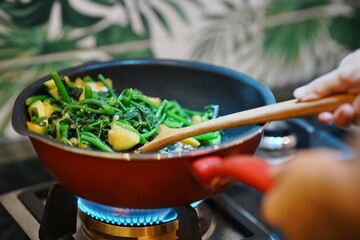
point(350, 75)
point(344, 116)
point(325, 85)
point(356, 105)
point(349, 71)
point(326, 117)
point(346, 78)
point(352, 57)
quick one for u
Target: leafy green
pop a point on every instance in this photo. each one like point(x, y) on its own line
point(86, 122)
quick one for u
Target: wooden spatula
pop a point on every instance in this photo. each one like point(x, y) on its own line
point(278, 111)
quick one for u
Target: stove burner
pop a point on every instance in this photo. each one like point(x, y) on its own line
point(278, 143)
point(126, 216)
point(95, 230)
point(105, 222)
point(278, 137)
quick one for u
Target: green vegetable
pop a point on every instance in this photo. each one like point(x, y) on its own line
point(111, 90)
point(33, 99)
point(83, 114)
point(88, 92)
point(61, 87)
point(95, 141)
point(129, 127)
point(208, 136)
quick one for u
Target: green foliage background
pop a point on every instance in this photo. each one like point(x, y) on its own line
point(29, 47)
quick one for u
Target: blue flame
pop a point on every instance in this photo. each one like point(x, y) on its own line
point(126, 216)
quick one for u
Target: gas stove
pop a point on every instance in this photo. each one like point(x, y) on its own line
point(48, 211)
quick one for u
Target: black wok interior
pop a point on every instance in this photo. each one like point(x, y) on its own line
point(194, 85)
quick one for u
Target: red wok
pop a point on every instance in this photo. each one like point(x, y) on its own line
point(155, 180)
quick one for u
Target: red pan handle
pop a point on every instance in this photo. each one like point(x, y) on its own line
point(216, 172)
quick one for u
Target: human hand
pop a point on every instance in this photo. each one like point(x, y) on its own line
point(315, 196)
point(344, 79)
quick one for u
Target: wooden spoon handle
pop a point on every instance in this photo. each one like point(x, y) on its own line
point(278, 111)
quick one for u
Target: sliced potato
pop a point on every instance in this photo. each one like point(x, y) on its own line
point(191, 141)
point(79, 83)
point(97, 86)
point(50, 84)
point(34, 127)
point(36, 109)
point(121, 138)
point(54, 92)
point(49, 109)
point(196, 119)
point(67, 79)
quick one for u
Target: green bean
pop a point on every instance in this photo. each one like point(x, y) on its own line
point(172, 124)
point(106, 84)
point(57, 129)
point(91, 126)
point(161, 109)
point(123, 96)
point(61, 87)
point(136, 104)
point(176, 117)
point(88, 92)
point(155, 130)
point(95, 141)
point(38, 120)
point(112, 92)
point(88, 79)
point(33, 99)
point(145, 100)
point(87, 109)
point(106, 108)
point(207, 136)
point(178, 109)
point(214, 141)
point(64, 130)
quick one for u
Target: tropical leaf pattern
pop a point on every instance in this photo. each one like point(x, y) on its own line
point(37, 37)
point(280, 40)
point(273, 41)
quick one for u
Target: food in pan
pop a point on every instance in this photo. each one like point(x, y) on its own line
point(88, 113)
